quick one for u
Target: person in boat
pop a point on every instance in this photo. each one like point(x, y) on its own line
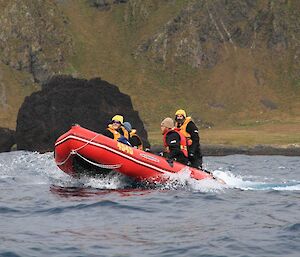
point(189, 129)
point(174, 142)
point(134, 138)
point(116, 130)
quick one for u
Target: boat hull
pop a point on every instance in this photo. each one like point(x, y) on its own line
point(98, 154)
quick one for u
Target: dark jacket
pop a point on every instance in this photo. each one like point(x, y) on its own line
point(135, 141)
point(194, 150)
point(175, 153)
point(192, 129)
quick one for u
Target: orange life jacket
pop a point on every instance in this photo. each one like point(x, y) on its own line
point(133, 134)
point(184, 132)
point(183, 141)
point(116, 133)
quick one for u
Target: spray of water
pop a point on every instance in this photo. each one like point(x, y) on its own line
point(35, 168)
point(236, 181)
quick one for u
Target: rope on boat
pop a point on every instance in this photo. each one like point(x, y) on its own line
point(75, 152)
point(104, 166)
point(63, 162)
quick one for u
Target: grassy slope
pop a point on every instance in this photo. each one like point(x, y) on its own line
point(14, 85)
point(104, 43)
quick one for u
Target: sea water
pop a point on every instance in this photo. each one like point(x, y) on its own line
point(44, 212)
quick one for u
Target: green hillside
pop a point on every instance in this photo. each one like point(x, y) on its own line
point(233, 65)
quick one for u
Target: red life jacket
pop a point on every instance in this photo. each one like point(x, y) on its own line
point(183, 141)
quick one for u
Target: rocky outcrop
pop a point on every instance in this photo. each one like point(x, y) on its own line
point(34, 38)
point(221, 150)
point(63, 101)
point(7, 139)
point(204, 31)
point(105, 4)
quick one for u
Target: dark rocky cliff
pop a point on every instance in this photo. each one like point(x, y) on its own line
point(34, 38)
point(204, 30)
point(63, 101)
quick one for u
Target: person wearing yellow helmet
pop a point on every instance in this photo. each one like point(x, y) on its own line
point(189, 129)
point(116, 130)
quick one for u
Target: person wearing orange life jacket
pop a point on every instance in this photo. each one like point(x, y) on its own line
point(174, 142)
point(134, 139)
point(190, 131)
point(116, 130)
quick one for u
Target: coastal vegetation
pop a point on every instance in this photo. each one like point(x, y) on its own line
point(233, 65)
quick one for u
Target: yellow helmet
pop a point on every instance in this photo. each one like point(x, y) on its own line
point(118, 118)
point(180, 112)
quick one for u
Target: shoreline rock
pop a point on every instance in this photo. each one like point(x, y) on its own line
point(7, 139)
point(223, 150)
point(47, 114)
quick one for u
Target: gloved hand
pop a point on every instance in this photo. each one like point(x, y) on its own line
point(170, 161)
point(191, 156)
point(200, 166)
point(147, 149)
point(161, 154)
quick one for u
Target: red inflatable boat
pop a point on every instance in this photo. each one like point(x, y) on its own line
point(81, 151)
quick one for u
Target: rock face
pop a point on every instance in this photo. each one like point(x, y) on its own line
point(203, 30)
point(105, 4)
point(222, 150)
point(63, 101)
point(7, 139)
point(34, 38)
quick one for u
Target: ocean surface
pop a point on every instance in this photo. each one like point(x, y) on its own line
point(44, 212)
